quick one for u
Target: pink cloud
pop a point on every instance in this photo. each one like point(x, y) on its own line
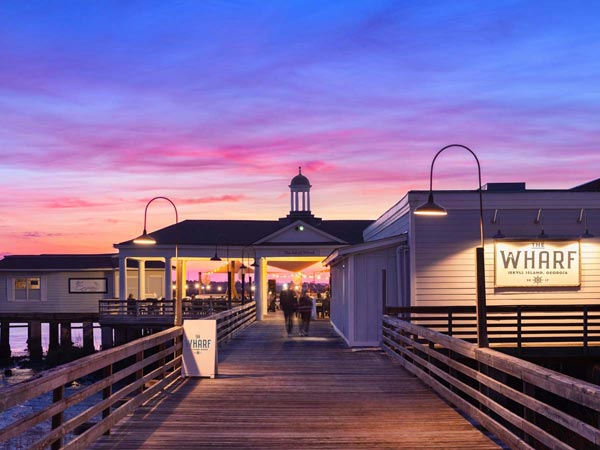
point(219, 199)
point(73, 202)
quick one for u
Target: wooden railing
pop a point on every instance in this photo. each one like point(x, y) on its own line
point(523, 404)
point(513, 325)
point(158, 311)
point(124, 377)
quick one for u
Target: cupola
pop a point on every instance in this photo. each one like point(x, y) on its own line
point(300, 194)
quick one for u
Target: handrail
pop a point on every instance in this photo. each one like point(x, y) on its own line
point(130, 375)
point(524, 404)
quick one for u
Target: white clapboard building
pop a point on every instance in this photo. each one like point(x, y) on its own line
point(539, 250)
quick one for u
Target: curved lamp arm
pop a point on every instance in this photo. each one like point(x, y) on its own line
point(479, 178)
point(156, 198)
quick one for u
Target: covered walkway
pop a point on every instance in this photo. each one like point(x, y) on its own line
point(275, 392)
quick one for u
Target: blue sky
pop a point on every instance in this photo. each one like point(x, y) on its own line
point(105, 105)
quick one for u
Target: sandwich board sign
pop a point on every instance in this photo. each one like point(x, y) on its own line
point(199, 348)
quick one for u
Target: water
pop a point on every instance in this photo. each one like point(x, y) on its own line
point(18, 343)
point(18, 337)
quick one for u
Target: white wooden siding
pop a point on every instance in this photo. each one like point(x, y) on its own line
point(445, 256)
point(56, 287)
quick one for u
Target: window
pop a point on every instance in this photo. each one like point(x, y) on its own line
point(27, 289)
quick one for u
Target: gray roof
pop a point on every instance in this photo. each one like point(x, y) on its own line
point(106, 261)
point(590, 186)
point(247, 232)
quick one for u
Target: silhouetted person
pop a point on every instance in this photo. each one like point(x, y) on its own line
point(305, 306)
point(287, 302)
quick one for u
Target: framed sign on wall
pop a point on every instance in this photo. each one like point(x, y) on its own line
point(539, 264)
point(88, 286)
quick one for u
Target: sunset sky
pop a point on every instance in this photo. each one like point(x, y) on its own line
point(215, 104)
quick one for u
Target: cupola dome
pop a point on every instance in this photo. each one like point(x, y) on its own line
point(300, 180)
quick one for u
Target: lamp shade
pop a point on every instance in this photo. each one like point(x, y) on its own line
point(215, 258)
point(144, 239)
point(431, 208)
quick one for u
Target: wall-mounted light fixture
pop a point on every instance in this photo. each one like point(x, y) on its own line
point(494, 220)
point(539, 220)
point(583, 218)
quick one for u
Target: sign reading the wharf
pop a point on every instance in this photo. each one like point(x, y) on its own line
point(199, 348)
point(296, 252)
point(541, 264)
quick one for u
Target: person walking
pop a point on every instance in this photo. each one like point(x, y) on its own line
point(305, 306)
point(287, 302)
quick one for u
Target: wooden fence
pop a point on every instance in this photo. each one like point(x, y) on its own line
point(525, 405)
point(513, 325)
point(123, 377)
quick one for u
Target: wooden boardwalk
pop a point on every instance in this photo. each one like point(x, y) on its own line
point(275, 392)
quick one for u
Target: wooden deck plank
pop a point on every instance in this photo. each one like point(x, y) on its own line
point(276, 392)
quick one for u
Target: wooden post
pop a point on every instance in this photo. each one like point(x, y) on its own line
point(57, 420)
point(53, 336)
point(107, 338)
point(5, 341)
point(585, 330)
point(139, 374)
point(88, 337)
point(482, 335)
point(519, 330)
point(120, 336)
point(106, 393)
point(65, 335)
point(161, 361)
point(34, 340)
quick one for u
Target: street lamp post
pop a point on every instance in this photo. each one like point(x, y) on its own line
point(243, 268)
point(432, 209)
point(146, 239)
point(217, 258)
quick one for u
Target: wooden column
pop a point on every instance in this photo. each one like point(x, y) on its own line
point(53, 342)
point(88, 337)
point(66, 340)
point(5, 341)
point(107, 338)
point(34, 340)
point(120, 336)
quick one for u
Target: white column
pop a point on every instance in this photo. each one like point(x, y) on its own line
point(168, 278)
point(263, 287)
point(297, 201)
point(260, 294)
point(141, 279)
point(122, 278)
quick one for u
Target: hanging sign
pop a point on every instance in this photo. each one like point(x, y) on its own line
point(199, 348)
point(539, 264)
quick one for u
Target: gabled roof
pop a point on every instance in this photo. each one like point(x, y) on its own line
point(246, 232)
point(103, 261)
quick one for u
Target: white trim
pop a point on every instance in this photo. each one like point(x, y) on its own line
point(307, 226)
point(336, 329)
point(365, 247)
